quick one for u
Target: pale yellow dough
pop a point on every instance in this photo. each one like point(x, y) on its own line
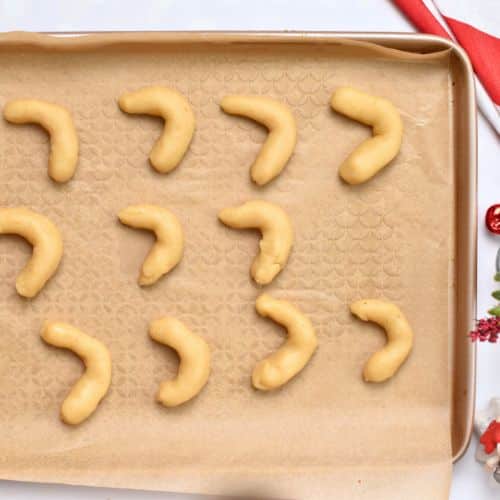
point(278, 368)
point(277, 235)
point(194, 356)
point(175, 109)
point(93, 385)
point(376, 152)
point(282, 137)
point(384, 363)
point(167, 251)
point(47, 244)
point(58, 122)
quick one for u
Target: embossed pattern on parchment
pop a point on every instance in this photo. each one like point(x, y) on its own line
point(388, 238)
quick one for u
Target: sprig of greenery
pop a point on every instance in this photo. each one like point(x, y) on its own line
point(495, 311)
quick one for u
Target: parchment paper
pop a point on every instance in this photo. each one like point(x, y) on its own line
point(326, 434)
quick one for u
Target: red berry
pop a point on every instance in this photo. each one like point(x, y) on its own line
point(492, 219)
point(487, 330)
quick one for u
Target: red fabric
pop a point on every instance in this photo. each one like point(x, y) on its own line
point(484, 53)
point(491, 437)
point(418, 13)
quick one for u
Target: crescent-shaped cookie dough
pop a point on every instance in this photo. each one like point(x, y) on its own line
point(169, 246)
point(278, 368)
point(282, 137)
point(277, 235)
point(175, 109)
point(93, 385)
point(58, 122)
point(194, 356)
point(47, 244)
point(376, 152)
point(384, 363)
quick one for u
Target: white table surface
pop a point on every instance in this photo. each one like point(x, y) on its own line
point(469, 480)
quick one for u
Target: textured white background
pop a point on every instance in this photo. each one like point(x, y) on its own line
point(469, 480)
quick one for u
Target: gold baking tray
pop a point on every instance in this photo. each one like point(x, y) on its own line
point(461, 308)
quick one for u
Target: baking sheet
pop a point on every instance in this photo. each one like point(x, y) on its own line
point(392, 237)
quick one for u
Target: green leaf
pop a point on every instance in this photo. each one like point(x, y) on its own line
point(496, 294)
point(495, 311)
point(497, 277)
